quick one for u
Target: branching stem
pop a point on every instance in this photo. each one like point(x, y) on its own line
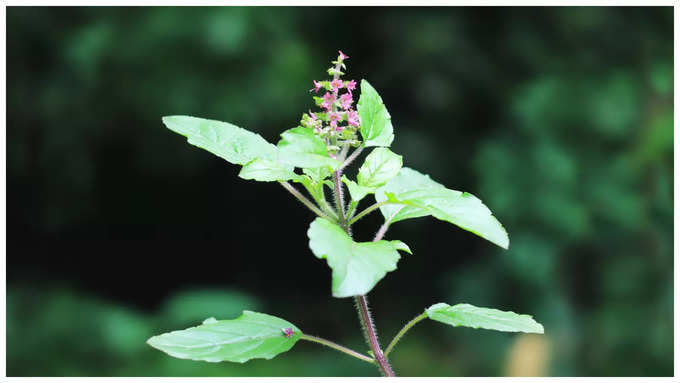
point(304, 200)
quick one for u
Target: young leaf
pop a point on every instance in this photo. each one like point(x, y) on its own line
point(376, 125)
point(423, 196)
point(301, 148)
point(234, 144)
point(357, 266)
point(261, 169)
point(380, 166)
point(356, 191)
point(252, 335)
point(479, 317)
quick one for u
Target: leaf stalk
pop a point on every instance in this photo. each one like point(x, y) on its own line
point(337, 347)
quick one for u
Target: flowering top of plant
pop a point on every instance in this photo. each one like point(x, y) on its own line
point(315, 155)
point(337, 122)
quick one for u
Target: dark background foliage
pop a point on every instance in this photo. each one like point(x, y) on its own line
point(560, 119)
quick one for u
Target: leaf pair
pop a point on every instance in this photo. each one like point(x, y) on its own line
point(298, 147)
point(255, 335)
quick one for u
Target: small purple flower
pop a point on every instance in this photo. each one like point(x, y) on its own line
point(351, 85)
point(334, 117)
point(317, 86)
point(312, 115)
point(353, 117)
point(329, 97)
point(346, 100)
point(288, 332)
point(335, 85)
point(328, 101)
point(343, 56)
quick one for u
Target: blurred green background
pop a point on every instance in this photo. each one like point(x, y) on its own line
point(559, 119)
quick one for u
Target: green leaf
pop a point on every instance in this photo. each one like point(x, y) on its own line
point(234, 144)
point(356, 191)
point(376, 126)
point(422, 196)
point(301, 148)
point(380, 166)
point(261, 169)
point(479, 317)
point(252, 335)
point(318, 174)
point(357, 266)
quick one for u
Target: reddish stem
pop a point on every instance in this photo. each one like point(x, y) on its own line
point(371, 336)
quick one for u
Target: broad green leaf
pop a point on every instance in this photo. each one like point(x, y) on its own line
point(301, 148)
point(479, 317)
point(357, 266)
point(234, 144)
point(356, 191)
point(380, 166)
point(422, 196)
point(261, 169)
point(407, 180)
point(252, 335)
point(376, 125)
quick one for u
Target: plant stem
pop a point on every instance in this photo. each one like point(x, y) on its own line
point(386, 225)
point(304, 200)
point(403, 331)
point(361, 302)
point(372, 336)
point(338, 347)
point(351, 157)
point(351, 209)
point(367, 320)
point(339, 201)
point(370, 209)
point(328, 209)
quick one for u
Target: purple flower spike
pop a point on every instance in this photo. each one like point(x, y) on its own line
point(343, 56)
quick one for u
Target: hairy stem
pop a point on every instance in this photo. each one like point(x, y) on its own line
point(339, 200)
point(304, 200)
point(351, 157)
point(361, 302)
point(338, 347)
point(351, 210)
point(366, 319)
point(372, 335)
point(326, 207)
point(401, 332)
